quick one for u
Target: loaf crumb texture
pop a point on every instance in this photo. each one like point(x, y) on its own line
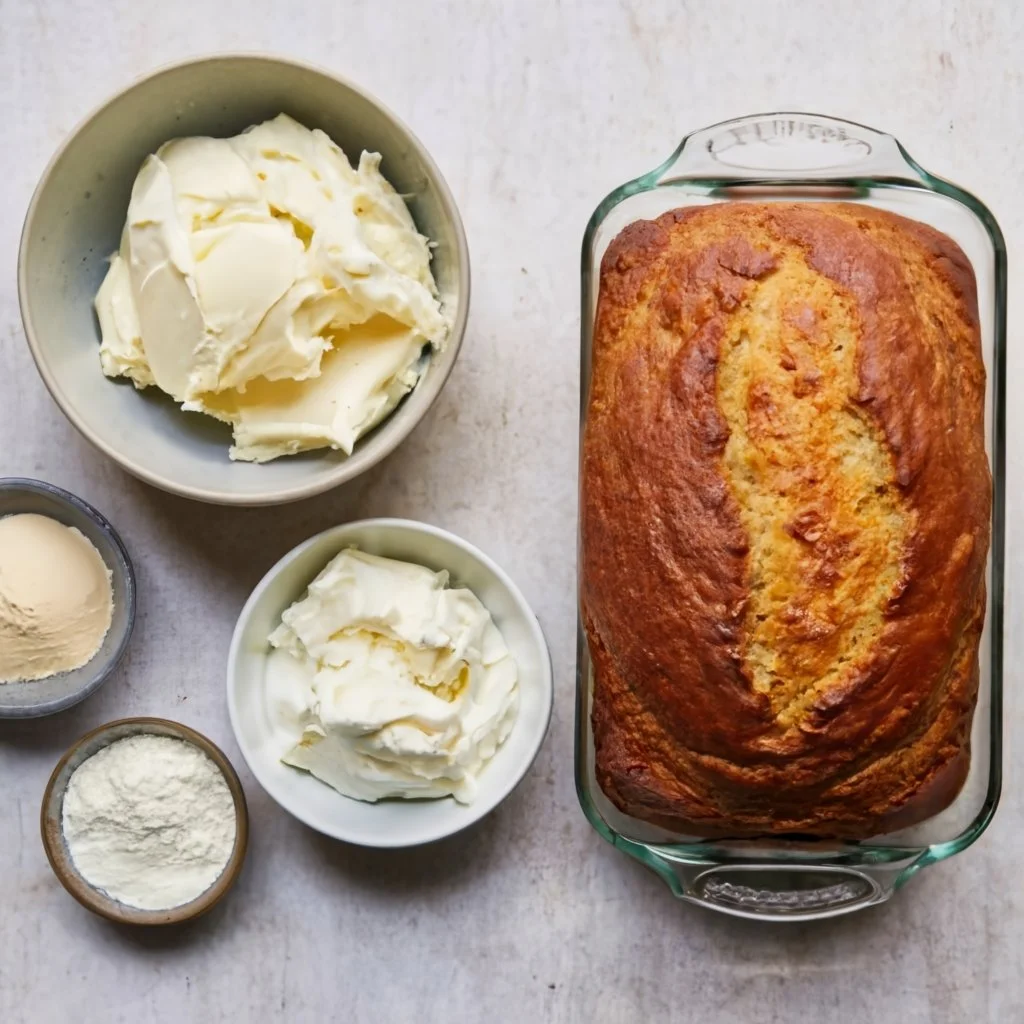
point(785, 515)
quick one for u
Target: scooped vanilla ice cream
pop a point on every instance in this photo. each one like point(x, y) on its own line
point(385, 682)
point(264, 281)
point(56, 600)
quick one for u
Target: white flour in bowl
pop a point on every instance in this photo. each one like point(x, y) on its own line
point(150, 821)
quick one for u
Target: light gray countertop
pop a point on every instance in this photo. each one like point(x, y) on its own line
point(534, 110)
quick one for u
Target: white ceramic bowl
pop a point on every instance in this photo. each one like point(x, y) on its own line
point(389, 823)
point(74, 223)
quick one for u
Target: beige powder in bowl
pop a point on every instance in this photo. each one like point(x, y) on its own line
point(56, 599)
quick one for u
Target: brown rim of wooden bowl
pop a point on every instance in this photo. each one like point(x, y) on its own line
point(57, 851)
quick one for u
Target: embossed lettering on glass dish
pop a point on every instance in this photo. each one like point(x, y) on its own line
point(787, 143)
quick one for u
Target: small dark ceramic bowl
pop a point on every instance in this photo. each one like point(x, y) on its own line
point(50, 821)
point(34, 698)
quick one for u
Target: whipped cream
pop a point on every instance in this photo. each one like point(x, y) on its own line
point(264, 281)
point(386, 682)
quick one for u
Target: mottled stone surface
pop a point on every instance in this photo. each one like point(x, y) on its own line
point(534, 111)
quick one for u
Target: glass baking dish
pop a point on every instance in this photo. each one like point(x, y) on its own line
point(807, 157)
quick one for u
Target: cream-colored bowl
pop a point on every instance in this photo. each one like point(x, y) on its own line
point(388, 823)
point(74, 223)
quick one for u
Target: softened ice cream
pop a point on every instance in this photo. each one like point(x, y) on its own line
point(264, 281)
point(386, 682)
point(56, 600)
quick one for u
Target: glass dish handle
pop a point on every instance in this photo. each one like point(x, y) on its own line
point(788, 147)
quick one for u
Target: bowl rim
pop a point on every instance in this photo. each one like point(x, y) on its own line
point(389, 434)
point(59, 857)
point(125, 566)
point(515, 777)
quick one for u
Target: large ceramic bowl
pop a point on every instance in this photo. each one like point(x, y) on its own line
point(74, 223)
point(388, 823)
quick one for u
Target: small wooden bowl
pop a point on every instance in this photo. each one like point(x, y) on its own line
point(57, 850)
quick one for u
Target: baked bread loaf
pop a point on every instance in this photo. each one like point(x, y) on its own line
point(785, 513)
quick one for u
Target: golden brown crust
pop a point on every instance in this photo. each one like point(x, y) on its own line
point(785, 519)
